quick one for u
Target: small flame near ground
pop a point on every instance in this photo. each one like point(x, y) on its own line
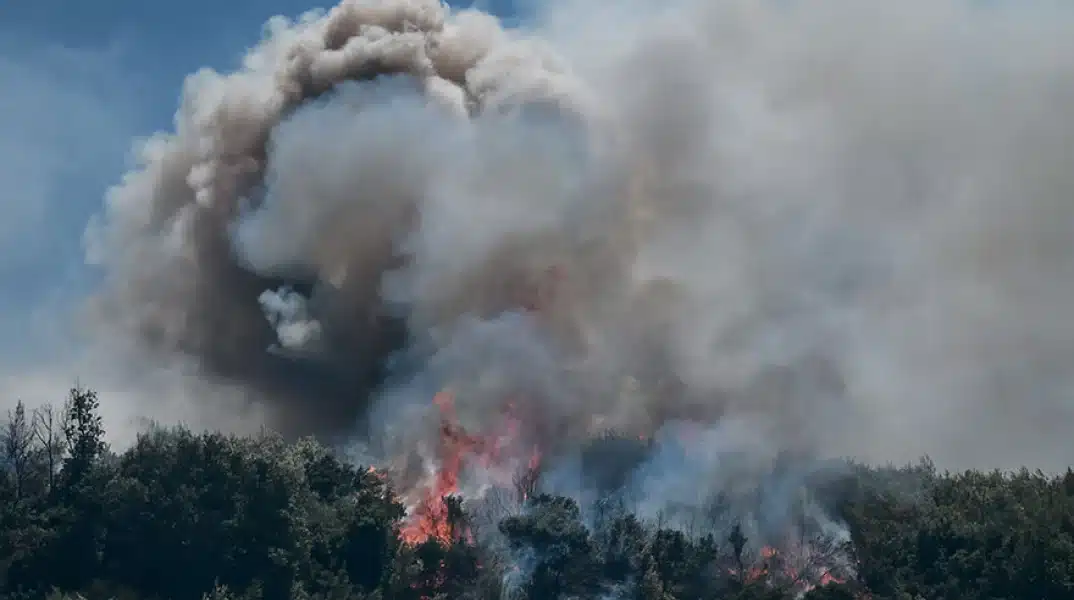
point(777, 565)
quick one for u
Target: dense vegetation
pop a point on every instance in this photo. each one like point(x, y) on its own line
point(187, 516)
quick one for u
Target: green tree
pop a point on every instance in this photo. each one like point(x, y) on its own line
point(83, 435)
point(566, 560)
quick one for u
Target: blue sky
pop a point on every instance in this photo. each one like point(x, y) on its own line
point(79, 81)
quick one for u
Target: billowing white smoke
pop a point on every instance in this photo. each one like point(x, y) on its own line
point(838, 227)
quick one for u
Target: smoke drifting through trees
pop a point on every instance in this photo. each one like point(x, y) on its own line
point(826, 227)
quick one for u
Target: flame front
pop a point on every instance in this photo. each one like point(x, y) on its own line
point(775, 564)
point(430, 516)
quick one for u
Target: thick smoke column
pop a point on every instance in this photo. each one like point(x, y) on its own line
point(827, 227)
point(402, 166)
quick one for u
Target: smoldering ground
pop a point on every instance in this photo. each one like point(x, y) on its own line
point(845, 224)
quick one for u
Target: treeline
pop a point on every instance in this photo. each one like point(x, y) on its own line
point(193, 516)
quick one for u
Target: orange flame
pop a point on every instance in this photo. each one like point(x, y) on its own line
point(803, 582)
point(429, 517)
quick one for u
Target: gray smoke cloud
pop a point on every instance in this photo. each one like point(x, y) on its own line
point(835, 228)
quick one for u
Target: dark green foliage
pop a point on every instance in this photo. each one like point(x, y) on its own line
point(831, 592)
point(184, 516)
point(83, 435)
point(976, 535)
point(564, 559)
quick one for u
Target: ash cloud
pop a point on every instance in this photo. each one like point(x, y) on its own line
point(846, 224)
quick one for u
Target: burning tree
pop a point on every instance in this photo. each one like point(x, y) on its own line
point(436, 513)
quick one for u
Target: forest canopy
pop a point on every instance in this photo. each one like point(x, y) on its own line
point(182, 515)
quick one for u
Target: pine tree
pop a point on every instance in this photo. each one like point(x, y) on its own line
point(84, 434)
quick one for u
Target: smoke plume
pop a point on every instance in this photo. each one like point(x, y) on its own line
point(829, 228)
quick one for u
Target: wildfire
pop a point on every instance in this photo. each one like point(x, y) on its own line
point(430, 517)
point(803, 580)
point(500, 453)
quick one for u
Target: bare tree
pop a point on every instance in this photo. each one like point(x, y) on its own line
point(525, 483)
point(48, 427)
point(17, 446)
